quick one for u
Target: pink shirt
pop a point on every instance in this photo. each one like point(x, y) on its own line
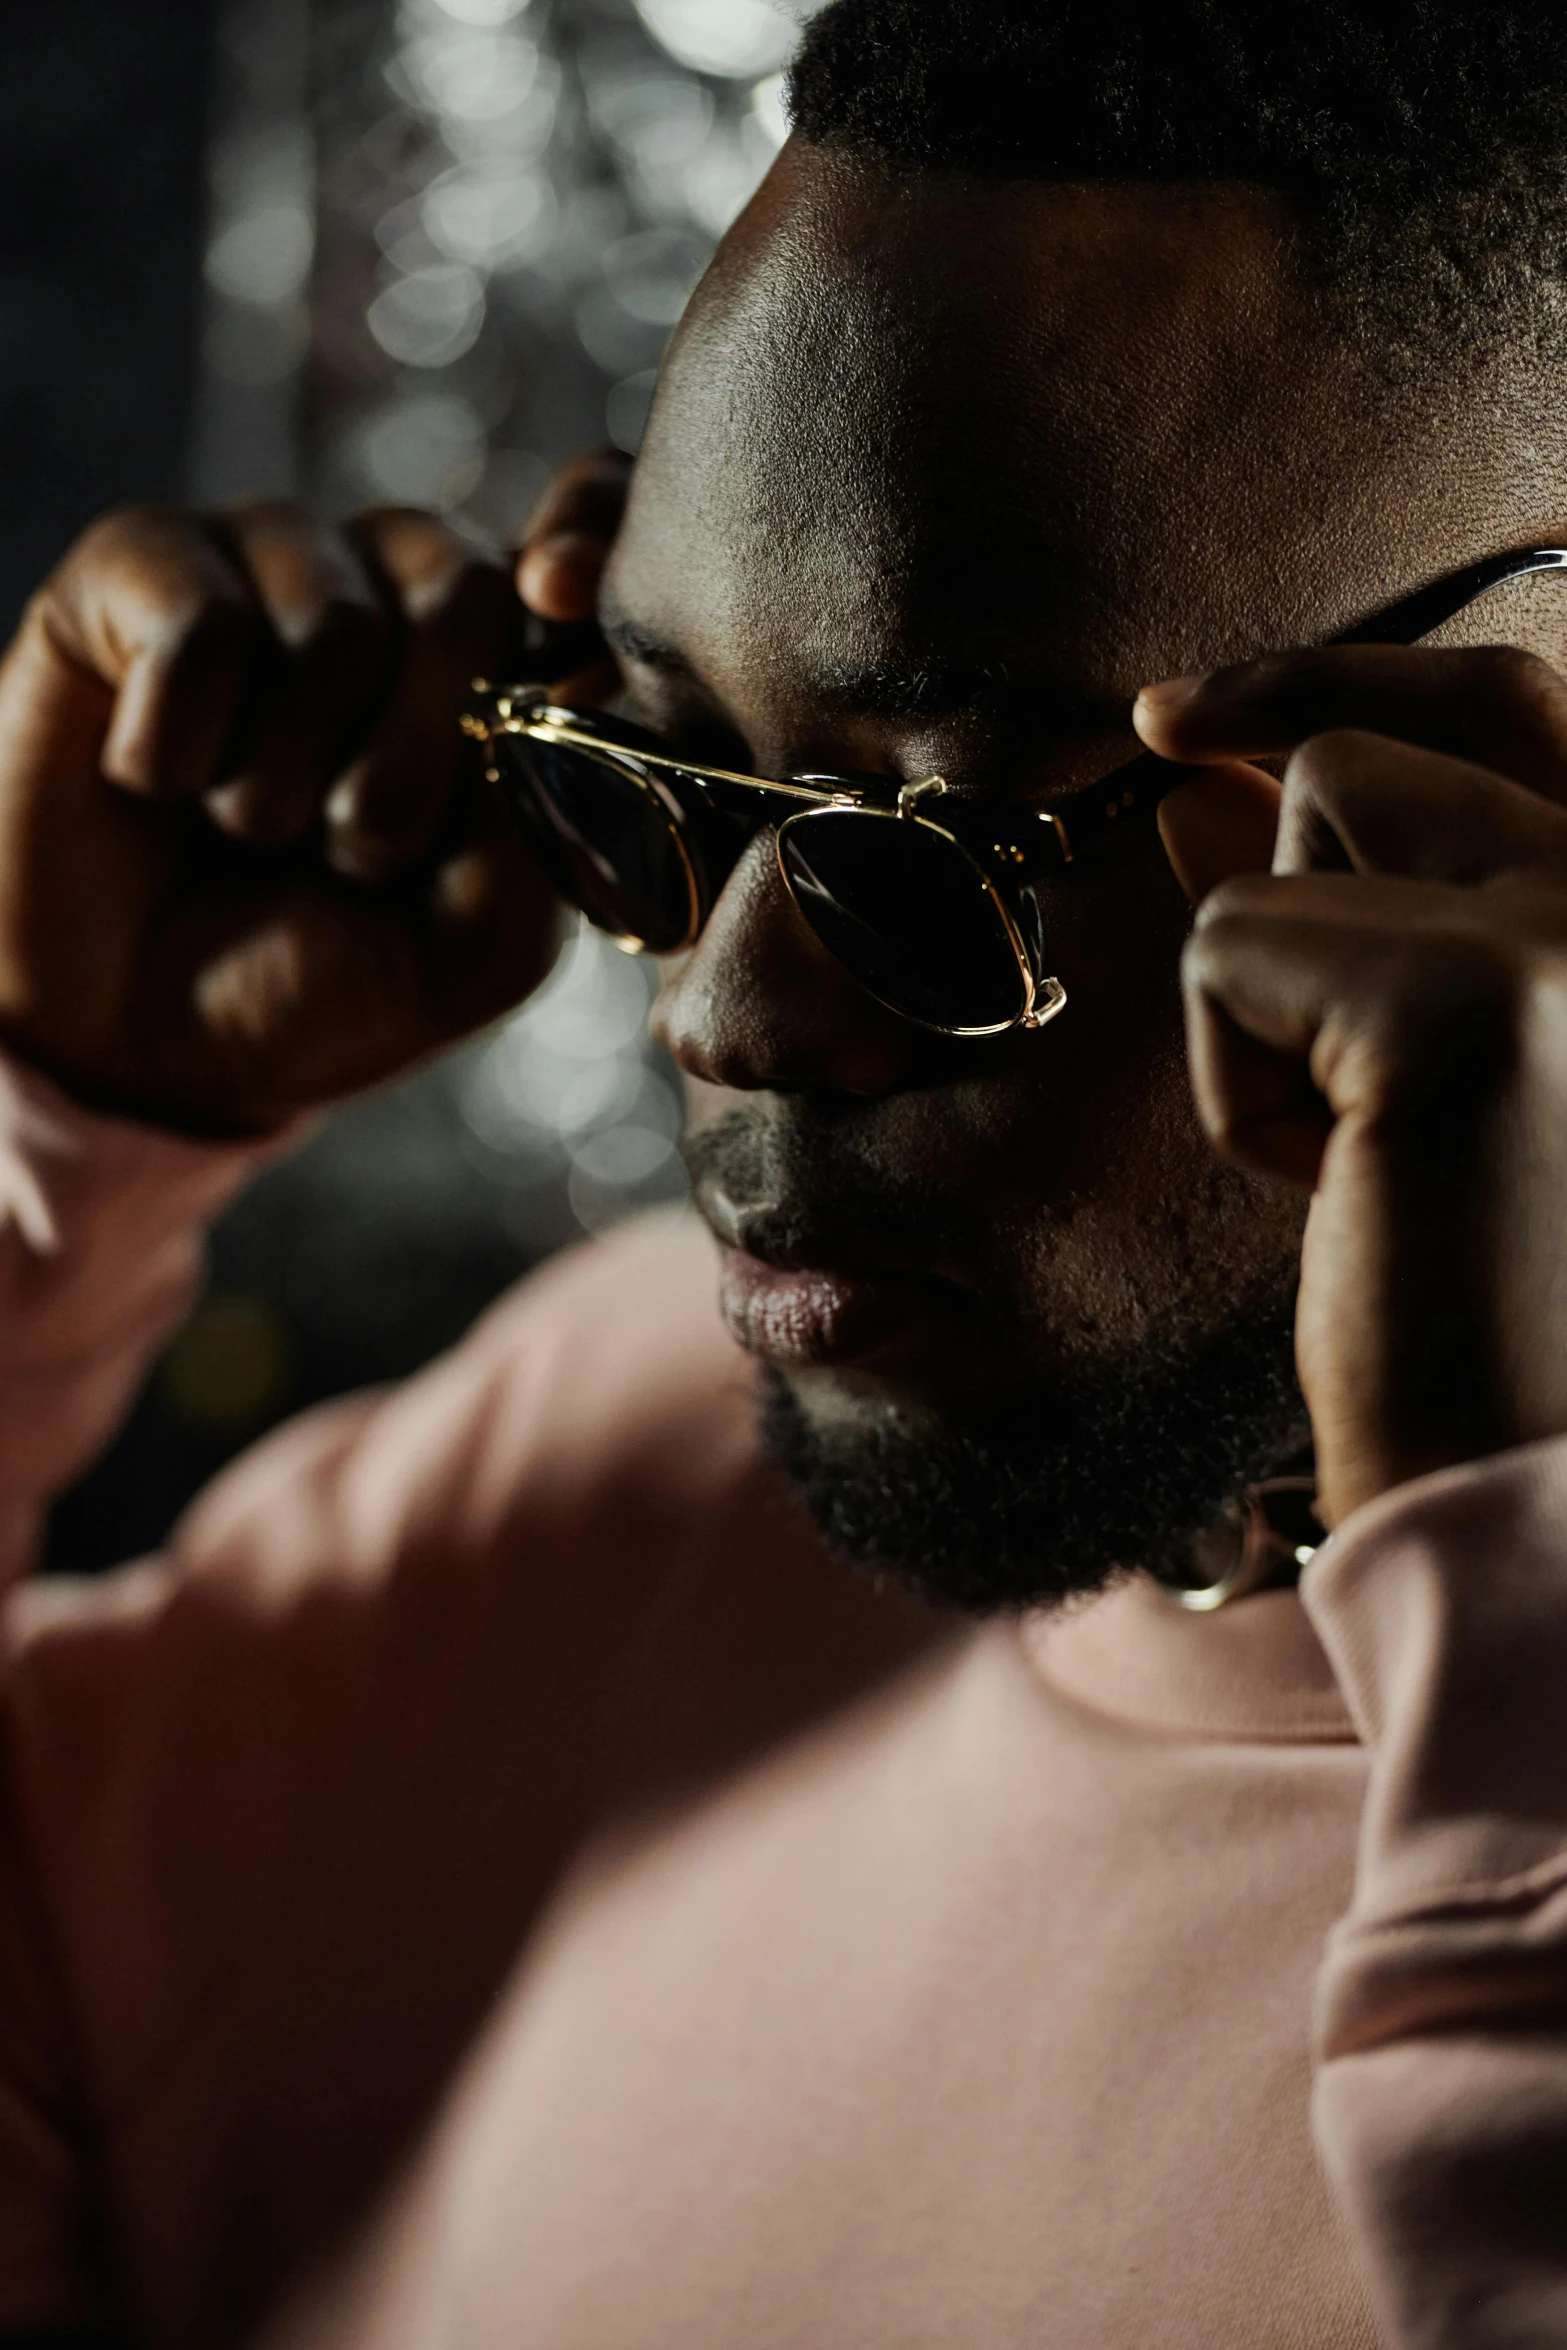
point(492, 1884)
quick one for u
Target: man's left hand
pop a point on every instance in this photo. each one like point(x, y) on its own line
point(1383, 1020)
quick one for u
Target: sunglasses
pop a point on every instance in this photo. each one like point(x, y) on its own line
point(937, 906)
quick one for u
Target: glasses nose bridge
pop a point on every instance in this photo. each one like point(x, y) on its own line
point(723, 820)
point(725, 814)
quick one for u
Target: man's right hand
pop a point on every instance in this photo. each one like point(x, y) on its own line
point(245, 865)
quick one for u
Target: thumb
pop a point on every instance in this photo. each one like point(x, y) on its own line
point(569, 539)
point(1223, 822)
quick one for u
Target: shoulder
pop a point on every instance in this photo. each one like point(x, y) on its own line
point(182, 1735)
point(549, 1575)
point(604, 1372)
point(616, 1359)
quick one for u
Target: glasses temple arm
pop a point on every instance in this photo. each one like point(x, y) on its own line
point(1407, 622)
point(1092, 814)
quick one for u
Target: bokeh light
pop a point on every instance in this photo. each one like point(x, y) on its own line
point(230, 1365)
point(456, 255)
point(566, 1096)
point(447, 243)
point(736, 38)
point(512, 209)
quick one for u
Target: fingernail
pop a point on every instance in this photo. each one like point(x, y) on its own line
point(266, 819)
point(354, 848)
point(1171, 693)
point(359, 859)
point(558, 576)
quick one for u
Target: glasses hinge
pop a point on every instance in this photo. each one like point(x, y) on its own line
point(911, 794)
point(1063, 843)
point(1049, 998)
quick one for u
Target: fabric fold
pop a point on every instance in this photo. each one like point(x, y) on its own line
point(1441, 2097)
point(102, 1224)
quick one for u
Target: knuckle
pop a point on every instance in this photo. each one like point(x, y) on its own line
point(1210, 955)
point(389, 514)
point(1231, 909)
point(1325, 764)
point(143, 545)
point(307, 578)
point(346, 627)
point(136, 526)
point(431, 565)
point(1509, 668)
point(1271, 673)
point(1450, 1018)
point(1509, 674)
point(410, 532)
point(269, 513)
point(1323, 797)
point(147, 578)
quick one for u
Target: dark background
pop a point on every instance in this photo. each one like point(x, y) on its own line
point(104, 113)
point(359, 250)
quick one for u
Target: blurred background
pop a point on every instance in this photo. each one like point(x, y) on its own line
point(360, 250)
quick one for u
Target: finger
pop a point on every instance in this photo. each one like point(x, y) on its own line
point(570, 536)
point(329, 666)
point(461, 620)
point(1221, 823)
point(148, 604)
point(1499, 707)
point(493, 923)
point(1311, 999)
point(1358, 803)
point(404, 980)
point(406, 969)
point(1251, 1020)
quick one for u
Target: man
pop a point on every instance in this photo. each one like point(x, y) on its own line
point(496, 1879)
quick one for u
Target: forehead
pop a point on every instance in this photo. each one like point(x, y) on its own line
point(1096, 430)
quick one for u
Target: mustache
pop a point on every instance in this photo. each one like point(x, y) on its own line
point(793, 1186)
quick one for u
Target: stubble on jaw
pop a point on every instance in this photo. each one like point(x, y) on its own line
point(1082, 1479)
point(1080, 1464)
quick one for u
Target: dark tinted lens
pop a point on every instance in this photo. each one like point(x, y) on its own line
point(609, 845)
point(904, 909)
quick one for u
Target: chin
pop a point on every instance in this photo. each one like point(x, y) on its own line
point(1029, 1491)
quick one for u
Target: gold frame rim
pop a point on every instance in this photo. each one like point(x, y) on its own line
point(604, 753)
point(1043, 996)
point(1014, 938)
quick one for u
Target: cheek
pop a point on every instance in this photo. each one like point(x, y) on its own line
point(1161, 1244)
point(1098, 1100)
point(1113, 1221)
point(1117, 932)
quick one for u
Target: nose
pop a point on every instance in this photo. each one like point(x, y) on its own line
point(759, 1004)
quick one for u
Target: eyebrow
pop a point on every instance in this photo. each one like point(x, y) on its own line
point(926, 686)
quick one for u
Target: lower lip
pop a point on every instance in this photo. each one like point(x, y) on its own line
point(817, 1317)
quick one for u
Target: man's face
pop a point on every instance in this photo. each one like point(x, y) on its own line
point(940, 473)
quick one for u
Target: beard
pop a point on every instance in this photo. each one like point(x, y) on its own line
point(1079, 1482)
point(1087, 1471)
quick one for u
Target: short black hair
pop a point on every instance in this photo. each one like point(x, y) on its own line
point(1422, 143)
